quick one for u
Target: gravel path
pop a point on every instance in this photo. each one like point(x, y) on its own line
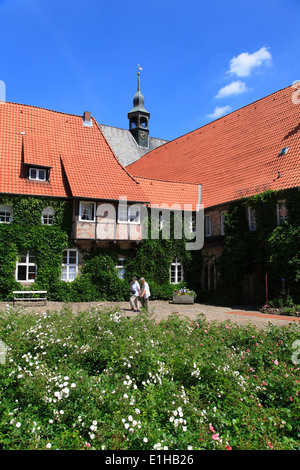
point(162, 309)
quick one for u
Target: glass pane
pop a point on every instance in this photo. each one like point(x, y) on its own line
point(42, 174)
point(32, 173)
point(72, 273)
point(65, 257)
point(121, 272)
point(133, 214)
point(72, 256)
point(23, 258)
point(21, 273)
point(64, 274)
point(87, 211)
point(123, 213)
point(31, 272)
point(31, 257)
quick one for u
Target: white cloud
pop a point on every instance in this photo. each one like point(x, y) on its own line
point(234, 88)
point(244, 63)
point(219, 112)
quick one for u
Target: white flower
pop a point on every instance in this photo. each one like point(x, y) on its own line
point(126, 425)
point(145, 439)
point(48, 445)
point(137, 411)
point(18, 424)
point(73, 385)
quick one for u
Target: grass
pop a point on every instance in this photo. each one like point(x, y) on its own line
point(98, 380)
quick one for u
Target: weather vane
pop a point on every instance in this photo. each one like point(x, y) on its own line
point(139, 68)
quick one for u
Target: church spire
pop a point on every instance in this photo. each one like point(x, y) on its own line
point(139, 117)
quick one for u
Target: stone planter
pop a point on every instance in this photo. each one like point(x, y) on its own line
point(183, 299)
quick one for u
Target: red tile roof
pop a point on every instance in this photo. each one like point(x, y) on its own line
point(169, 193)
point(235, 156)
point(40, 137)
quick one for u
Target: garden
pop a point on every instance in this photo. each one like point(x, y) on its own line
point(101, 380)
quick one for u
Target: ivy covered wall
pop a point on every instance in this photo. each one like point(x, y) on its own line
point(271, 249)
point(97, 278)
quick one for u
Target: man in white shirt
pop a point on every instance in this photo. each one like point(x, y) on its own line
point(134, 292)
point(144, 293)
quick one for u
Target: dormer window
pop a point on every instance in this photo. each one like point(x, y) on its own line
point(37, 174)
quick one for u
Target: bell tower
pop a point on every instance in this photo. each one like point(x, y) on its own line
point(139, 118)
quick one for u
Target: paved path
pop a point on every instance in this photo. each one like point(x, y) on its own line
point(162, 309)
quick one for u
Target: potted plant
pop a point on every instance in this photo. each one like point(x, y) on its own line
point(184, 296)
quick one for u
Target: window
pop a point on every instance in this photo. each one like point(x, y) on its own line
point(69, 265)
point(176, 272)
point(47, 216)
point(222, 222)
point(281, 213)
point(251, 219)
point(26, 267)
point(207, 226)
point(121, 267)
point(37, 174)
point(87, 211)
point(6, 214)
point(129, 214)
point(283, 151)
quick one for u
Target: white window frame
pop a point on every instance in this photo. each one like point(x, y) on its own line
point(207, 225)
point(65, 267)
point(281, 219)
point(29, 265)
point(86, 206)
point(47, 216)
point(222, 222)
point(38, 175)
point(7, 211)
point(251, 219)
point(175, 275)
point(120, 267)
point(124, 214)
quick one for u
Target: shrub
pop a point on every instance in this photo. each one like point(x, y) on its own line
point(99, 380)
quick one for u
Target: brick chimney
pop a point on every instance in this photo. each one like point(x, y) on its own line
point(87, 121)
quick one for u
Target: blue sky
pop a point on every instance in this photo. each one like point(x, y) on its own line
point(199, 59)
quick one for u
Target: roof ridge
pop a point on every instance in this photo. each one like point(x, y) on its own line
point(44, 109)
point(166, 181)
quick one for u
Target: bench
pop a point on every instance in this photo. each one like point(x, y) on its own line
point(28, 295)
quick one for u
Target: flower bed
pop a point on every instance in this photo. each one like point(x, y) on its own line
point(184, 296)
point(293, 311)
point(98, 380)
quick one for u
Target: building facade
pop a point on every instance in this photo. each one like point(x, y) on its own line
point(77, 191)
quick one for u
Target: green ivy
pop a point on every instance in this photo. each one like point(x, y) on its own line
point(98, 279)
point(270, 249)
